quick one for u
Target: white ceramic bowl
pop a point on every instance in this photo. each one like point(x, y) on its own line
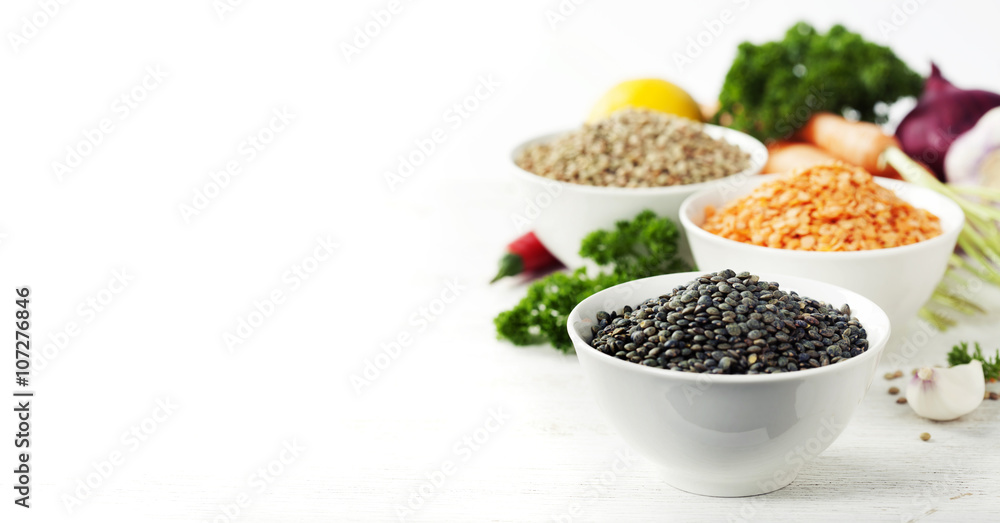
point(727, 435)
point(562, 213)
point(899, 279)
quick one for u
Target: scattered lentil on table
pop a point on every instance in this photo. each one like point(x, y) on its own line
point(893, 375)
point(901, 401)
point(635, 148)
point(893, 390)
point(729, 323)
point(925, 436)
point(828, 207)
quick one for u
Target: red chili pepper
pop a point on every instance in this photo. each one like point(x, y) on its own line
point(525, 254)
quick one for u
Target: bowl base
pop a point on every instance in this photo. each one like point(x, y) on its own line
point(734, 488)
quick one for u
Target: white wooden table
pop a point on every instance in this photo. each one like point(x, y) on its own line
point(466, 428)
point(420, 443)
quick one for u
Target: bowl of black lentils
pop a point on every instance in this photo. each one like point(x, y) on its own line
point(729, 382)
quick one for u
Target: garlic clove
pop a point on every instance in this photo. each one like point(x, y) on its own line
point(945, 394)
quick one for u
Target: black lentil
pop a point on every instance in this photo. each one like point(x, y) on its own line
point(729, 323)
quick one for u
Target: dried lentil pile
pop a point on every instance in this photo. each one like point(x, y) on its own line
point(635, 148)
point(829, 207)
point(728, 323)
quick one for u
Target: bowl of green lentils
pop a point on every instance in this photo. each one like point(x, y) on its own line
point(577, 181)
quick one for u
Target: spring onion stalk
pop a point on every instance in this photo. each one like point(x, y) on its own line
point(979, 240)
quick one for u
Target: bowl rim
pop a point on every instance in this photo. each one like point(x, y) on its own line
point(874, 350)
point(696, 230)
point(757, 147)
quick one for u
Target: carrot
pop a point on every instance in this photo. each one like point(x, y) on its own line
point(859, 143)
point(788, 156)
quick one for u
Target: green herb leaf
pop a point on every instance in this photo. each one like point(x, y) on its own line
point(645, 246)
point(773, 88)
point(960, 355)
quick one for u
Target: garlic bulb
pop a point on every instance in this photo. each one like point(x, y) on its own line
point(945, 394)
point(974, 157)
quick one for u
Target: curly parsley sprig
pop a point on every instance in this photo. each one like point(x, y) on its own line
point(645, 246)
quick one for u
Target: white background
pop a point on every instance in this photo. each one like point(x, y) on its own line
point(322, 177)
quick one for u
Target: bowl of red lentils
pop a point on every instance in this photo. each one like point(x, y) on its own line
point(885, 239)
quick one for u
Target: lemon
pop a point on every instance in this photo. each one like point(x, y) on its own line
point(646, 93)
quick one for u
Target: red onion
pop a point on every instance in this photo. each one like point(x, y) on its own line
point(942, 114)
